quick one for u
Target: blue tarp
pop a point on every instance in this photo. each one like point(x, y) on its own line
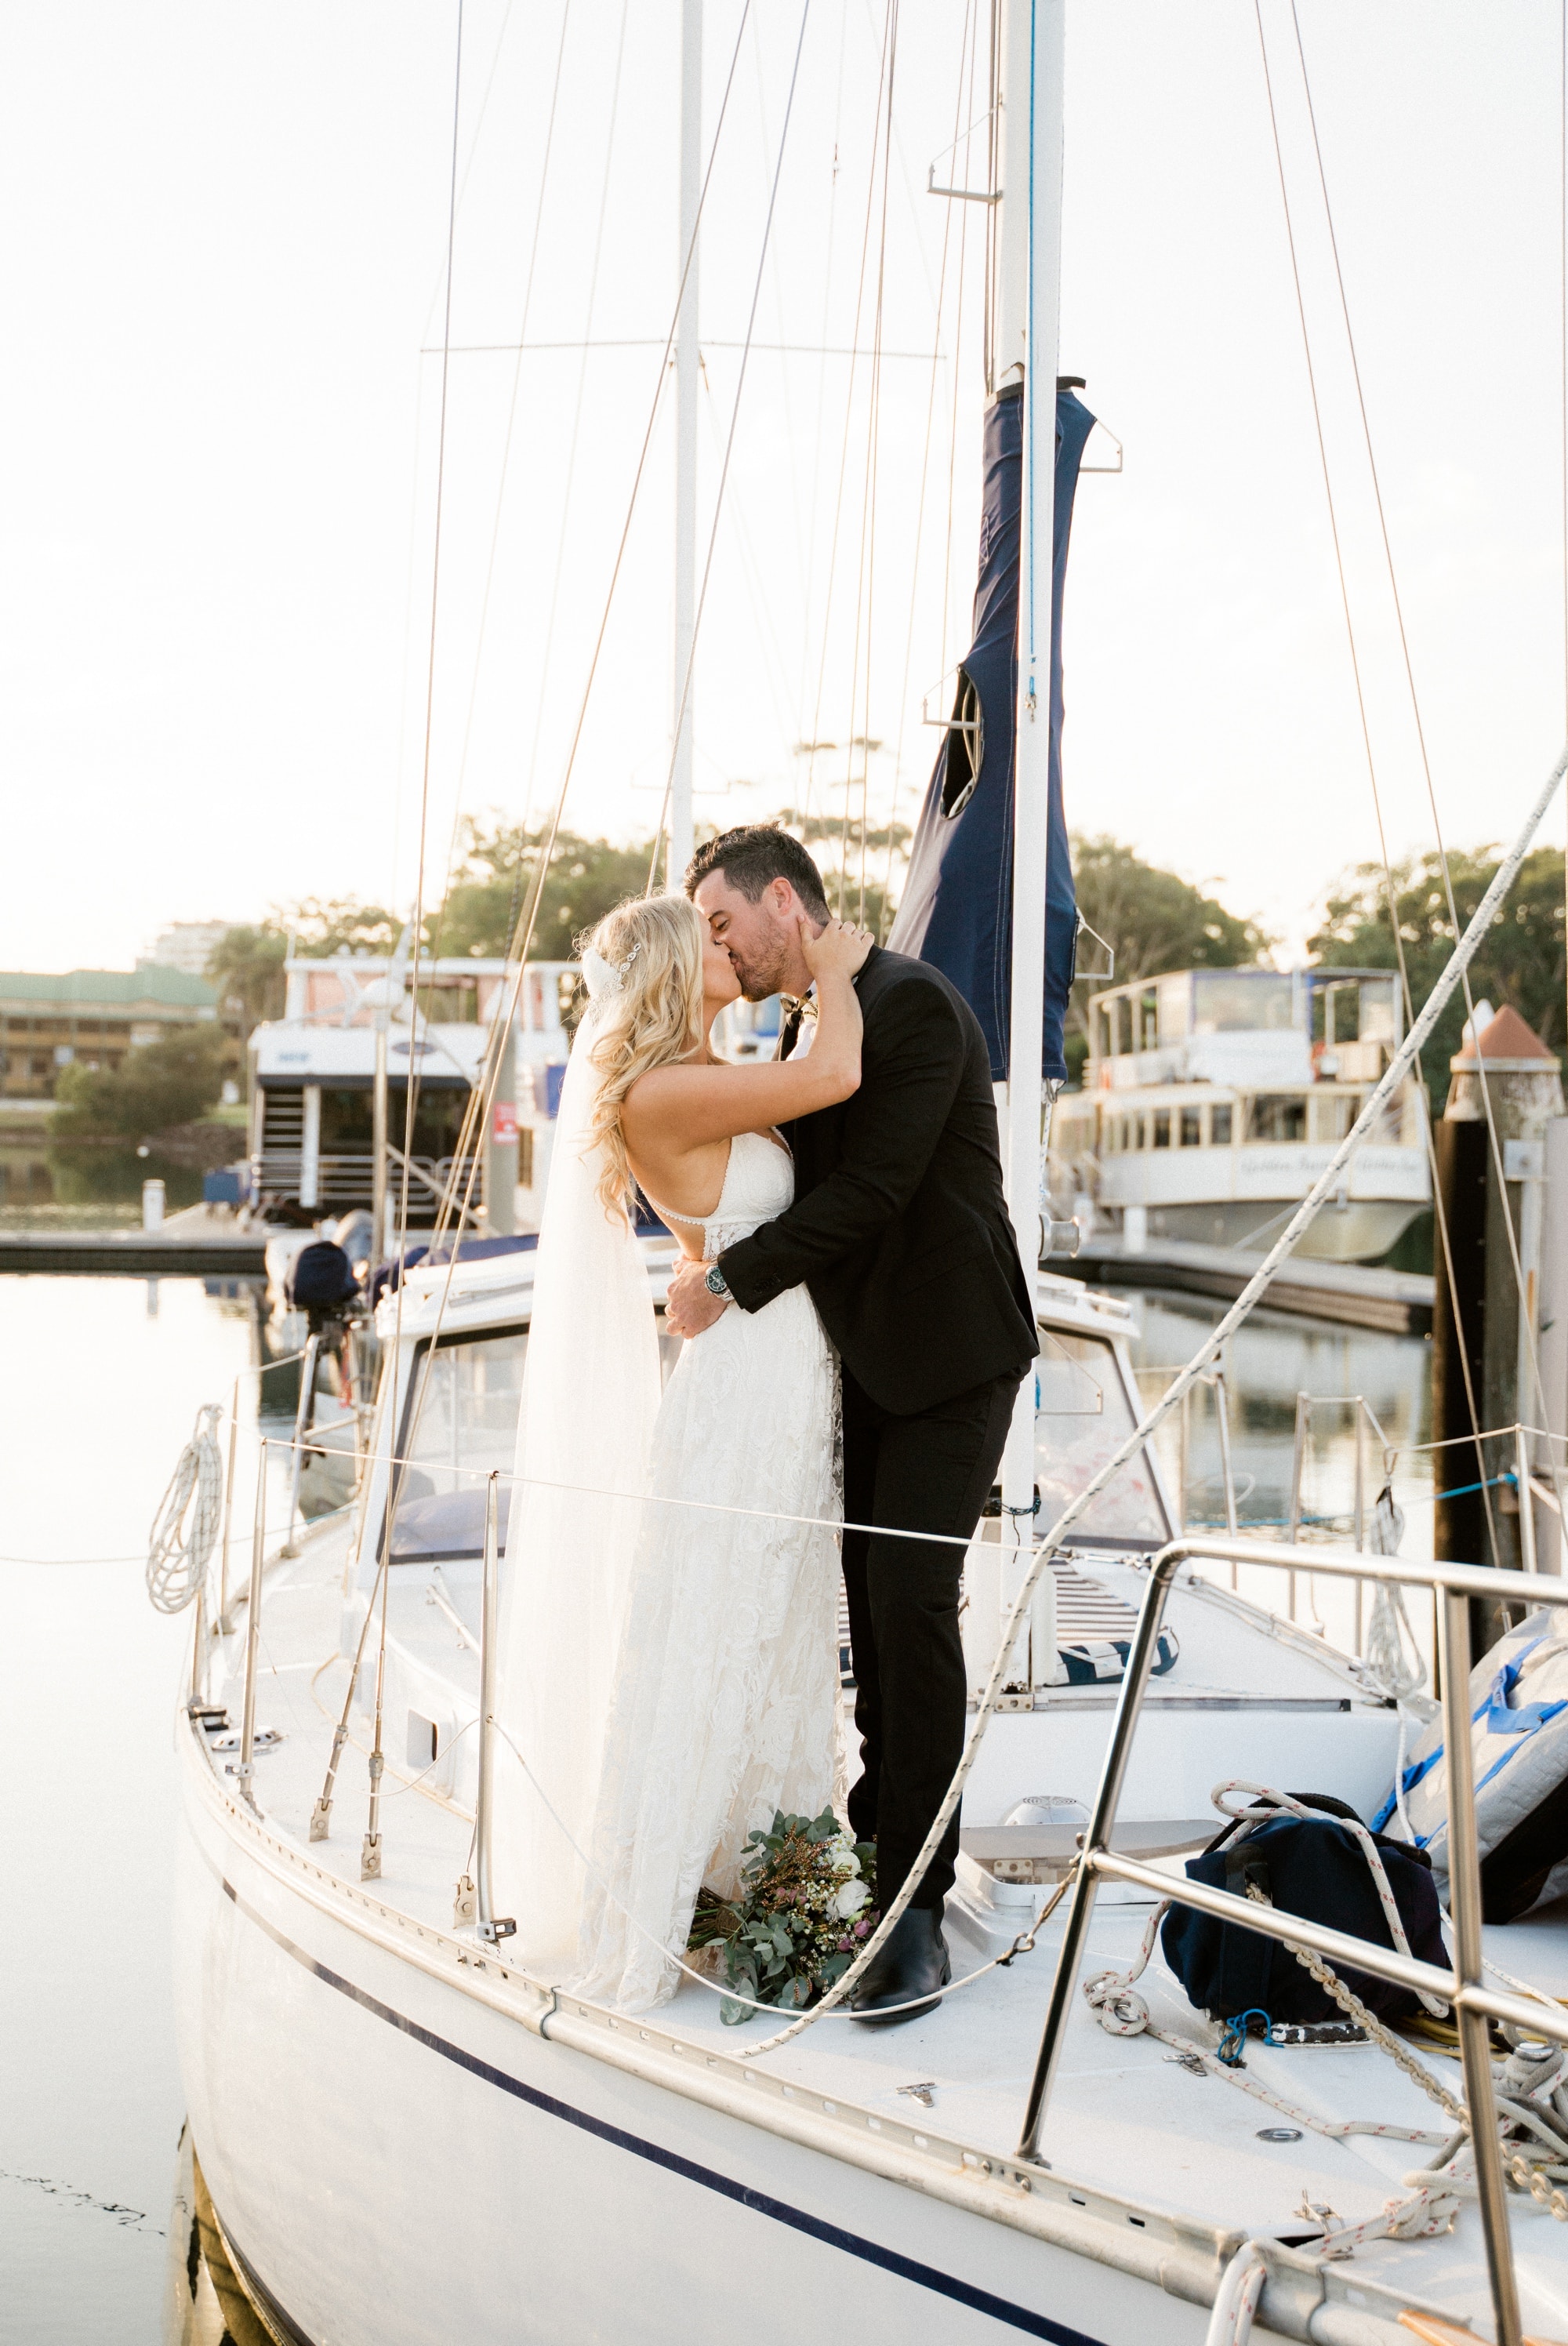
point(957, 910)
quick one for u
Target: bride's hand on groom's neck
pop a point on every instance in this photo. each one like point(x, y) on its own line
point(837, 951)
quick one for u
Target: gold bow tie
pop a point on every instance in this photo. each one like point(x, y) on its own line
point(805, 1007)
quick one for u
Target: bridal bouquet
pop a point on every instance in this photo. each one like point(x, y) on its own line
point(807, 1901)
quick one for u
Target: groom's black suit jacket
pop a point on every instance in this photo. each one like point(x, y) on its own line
point(899, 1227)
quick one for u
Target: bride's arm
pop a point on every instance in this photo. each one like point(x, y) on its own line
point(673, 1109)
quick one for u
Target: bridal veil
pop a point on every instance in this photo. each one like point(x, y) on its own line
point(590, 1395)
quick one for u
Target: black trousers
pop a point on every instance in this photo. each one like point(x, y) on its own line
point(930, 1472)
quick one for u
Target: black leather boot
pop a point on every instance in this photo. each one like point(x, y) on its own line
point(911, 1966)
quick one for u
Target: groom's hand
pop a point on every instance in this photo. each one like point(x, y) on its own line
point(691, 1306)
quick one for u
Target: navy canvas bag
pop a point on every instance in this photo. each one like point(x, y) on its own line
point(1313, 1867)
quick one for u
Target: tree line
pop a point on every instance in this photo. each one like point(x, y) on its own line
point(1151, 918)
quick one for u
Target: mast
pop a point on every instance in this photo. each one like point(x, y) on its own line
point(688, 365)
point(1029, 268)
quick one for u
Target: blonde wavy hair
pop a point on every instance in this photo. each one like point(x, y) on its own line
point(650, 1016)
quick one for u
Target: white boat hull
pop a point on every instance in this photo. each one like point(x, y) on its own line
point(395, 2162)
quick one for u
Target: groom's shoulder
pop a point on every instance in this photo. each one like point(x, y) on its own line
point(918, 985)
point(916, 989)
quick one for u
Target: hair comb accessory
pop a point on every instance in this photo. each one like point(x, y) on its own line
point(604, 977)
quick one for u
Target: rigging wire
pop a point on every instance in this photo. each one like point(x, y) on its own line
point(562, 531)
point(513, 404)
point(412, 1086)
point(867, 510)
point(482, 1096)
point(815, 739)
point(729, 446)
point(1471, 1402)
point(1493, 1136)
point(967, 47)
point(874, 465)
point(821, 392)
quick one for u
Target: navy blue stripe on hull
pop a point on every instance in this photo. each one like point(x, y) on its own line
point(832, 2235)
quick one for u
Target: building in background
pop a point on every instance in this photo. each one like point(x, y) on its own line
point(96, 1015)
point(185, 945)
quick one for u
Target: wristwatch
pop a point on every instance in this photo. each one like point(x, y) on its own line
point(717, 1284)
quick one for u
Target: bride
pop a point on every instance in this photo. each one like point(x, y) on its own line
point(670, 1670)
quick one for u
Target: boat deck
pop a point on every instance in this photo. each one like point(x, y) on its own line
point(1127, 2122)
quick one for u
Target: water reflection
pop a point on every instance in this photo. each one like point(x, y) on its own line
point(205, 2302)
point(1272, 1358)
point(44, 1187)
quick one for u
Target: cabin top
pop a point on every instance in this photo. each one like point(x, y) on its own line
point(1246, 1027)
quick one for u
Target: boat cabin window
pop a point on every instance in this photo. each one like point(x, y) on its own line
point(1192, 1128)
point(460, 1421)
point(1278, 1115)
point(1081, 1412)
point(1219, 1124)
point(1162, 1120)
point(1242, 1001)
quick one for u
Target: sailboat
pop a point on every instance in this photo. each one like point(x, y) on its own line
point(406, 2132)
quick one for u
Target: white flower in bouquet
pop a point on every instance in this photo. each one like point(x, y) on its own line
point(849, 1899)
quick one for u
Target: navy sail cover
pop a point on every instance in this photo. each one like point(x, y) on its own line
point(957, 909)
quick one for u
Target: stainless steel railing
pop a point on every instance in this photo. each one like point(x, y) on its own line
point(1474, 2003)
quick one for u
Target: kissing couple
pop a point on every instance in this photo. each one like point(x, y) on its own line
point(857, 1324)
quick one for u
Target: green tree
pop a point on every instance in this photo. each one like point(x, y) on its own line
point(1521, 960)
point(325, 924)
point(498, 869)
point(170, 1082)
point(246, 966)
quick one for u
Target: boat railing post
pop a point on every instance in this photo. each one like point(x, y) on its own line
point(223, 1625)
point(489, 1926)
point(303, 1414)
point(1474, 2029)
point(1527, 1562)
point(247, 1767)
point(1081, 1905)
point(1183, 1485)
point(1227, 1469)
point(198, 1696)
point(1361, 1407)
point(1297, 1464)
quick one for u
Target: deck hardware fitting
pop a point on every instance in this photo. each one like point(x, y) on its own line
point(1278, 2134)
point(921, 2093)
point(464, 1903)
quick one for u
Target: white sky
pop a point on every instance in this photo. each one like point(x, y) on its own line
point(222, 255)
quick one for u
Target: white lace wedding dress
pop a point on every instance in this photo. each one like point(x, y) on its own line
point(724, 1697)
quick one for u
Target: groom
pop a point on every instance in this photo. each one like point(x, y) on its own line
point(900, 1232)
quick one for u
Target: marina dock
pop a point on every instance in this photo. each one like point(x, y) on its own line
point(134, 1254)
point(1398, 1301)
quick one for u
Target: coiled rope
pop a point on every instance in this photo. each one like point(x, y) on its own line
point(185, 1529)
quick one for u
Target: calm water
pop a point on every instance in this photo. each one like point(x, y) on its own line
point(100, 1381)
point(99, 1385)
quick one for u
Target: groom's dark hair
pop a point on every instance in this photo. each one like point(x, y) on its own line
point(752, 856)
